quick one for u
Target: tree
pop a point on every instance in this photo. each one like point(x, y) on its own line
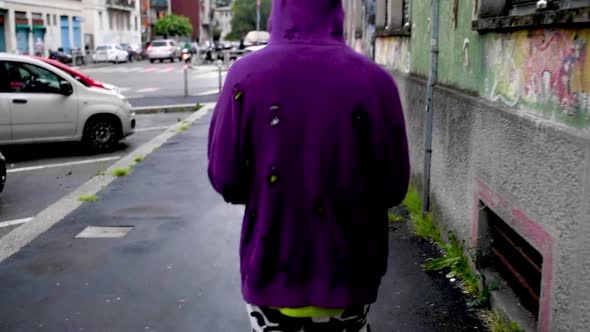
point(173, 25)
point(244, 18)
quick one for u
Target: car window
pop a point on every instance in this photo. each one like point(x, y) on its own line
point(4, 81)
point(28, 78)
point(159, 43)
point(101, 48)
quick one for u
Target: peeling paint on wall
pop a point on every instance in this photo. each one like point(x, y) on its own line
point(393, 53)
point(543, 72)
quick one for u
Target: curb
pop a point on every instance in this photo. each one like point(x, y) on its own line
point(12, 242)
point(165, 109)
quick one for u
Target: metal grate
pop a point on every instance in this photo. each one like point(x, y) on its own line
point(406, 12)
point(516, 261)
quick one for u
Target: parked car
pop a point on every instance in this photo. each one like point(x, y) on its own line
point(2, 172)
point(165, 49)
point(79, 76)
point(60, 56)
point(42, 103)
point(256, 38)
point(137, 53)
point(109, 53)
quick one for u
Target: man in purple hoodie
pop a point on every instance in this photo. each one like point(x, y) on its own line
point(310, 136)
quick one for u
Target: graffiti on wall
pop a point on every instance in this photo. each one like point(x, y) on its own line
point(543, 72)
point(393, 53)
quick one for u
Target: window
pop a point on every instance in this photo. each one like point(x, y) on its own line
point(54, 19)
point(128, 19)
point(392, 17)
point(110, 20)
point(100, 23)
point(493, 15)
point(135, 25)
point(48, 20)
point(27, 78)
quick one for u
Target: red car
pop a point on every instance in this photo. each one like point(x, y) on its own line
point(80, 77)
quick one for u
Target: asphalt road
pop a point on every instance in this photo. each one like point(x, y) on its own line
point(40, 174)
point(143, 79)
point(177, 269)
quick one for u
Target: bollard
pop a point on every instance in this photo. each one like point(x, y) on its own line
point(185, 81)
point(219, 66)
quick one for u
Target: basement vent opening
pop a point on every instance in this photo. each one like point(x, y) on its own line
point(515, 260)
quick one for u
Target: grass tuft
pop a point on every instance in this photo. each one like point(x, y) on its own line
point(198, 106)
point(88, 198)
point(138, 159)
point(499, 324)
point(454, 258)
point(396, 218)
point(184, 126)
point(119, 172)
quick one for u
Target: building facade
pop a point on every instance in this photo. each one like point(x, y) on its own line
point(150, 12)
point(510, 171)
point(192, 10)
point(58, 24)
point(222, 17)
point(112, 22)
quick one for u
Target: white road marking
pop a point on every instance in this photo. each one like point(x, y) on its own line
point(151, 129)
point(210, 92)
point(97, 232)
point(124, 89)
point(146, 90)
point(72, 163)
point(14, 222)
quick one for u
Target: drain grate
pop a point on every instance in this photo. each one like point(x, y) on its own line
point(96, 232)
point(517, 262)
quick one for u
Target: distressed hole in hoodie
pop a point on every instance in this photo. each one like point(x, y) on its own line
point(290, 33)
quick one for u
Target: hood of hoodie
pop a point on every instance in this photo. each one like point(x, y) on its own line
point(307, 21)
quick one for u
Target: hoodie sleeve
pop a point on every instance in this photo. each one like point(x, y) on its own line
point(392, 145)
point(227, 169)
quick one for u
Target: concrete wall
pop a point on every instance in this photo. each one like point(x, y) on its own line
point(512, 132)
point(529, 171)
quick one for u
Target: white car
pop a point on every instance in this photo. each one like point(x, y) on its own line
point(109, 53)
point(41, 103)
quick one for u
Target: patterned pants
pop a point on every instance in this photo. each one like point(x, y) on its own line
point(266, 319)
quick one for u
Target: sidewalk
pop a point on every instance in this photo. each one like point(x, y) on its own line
point(177, 269)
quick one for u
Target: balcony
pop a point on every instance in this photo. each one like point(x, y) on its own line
point(127, 5)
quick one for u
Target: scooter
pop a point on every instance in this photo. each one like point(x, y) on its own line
point(186, 56)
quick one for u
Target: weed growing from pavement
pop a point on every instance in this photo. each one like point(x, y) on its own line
point(422, 224)
point(88, 198)
point(119, 172)
point(453, 258)
point(396, 218)
point(101, 172)
point(198, 106)
point(184, 126)
point(499, 324)
point(138, 159)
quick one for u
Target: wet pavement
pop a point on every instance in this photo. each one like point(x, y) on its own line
point(177, 269)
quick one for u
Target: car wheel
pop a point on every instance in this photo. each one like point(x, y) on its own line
point(102, 133)
point(152, 60)
point(161, 60)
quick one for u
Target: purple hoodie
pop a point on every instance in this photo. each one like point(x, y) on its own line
point(310, 136)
